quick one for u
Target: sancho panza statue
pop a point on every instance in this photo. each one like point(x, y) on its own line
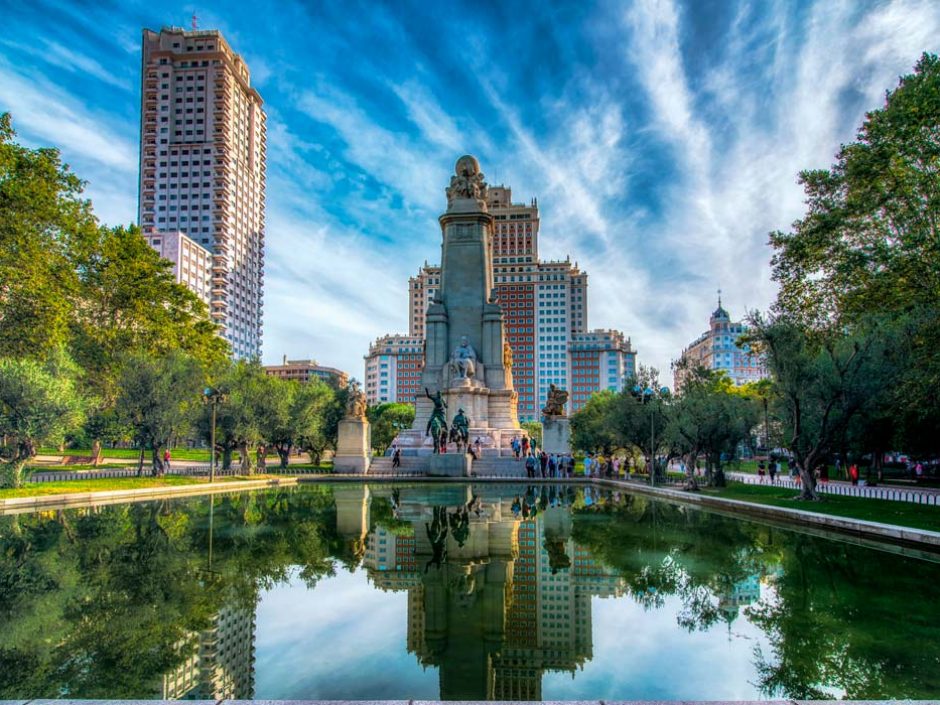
point(555, 403)
point(463, 360)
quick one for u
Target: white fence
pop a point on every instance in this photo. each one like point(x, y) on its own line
point(894, 494)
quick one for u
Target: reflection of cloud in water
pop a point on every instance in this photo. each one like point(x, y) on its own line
point(638, 654)
point(343, 640)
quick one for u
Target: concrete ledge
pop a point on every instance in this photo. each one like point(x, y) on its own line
point(19, 505)
point(470, 702)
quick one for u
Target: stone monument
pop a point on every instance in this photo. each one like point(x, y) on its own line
point(467, 361)
point(354, 437)
point(556, 429)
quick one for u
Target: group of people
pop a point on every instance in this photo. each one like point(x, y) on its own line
point(603, 466)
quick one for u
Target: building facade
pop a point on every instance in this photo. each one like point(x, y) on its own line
point(600, 359)
point(202, 168)
point(192, 262)
point(393, 369)
point(305, 370)
point(718, 349)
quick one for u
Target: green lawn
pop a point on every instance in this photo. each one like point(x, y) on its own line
point(197, 454)
point(916, 516)
point(36, 489)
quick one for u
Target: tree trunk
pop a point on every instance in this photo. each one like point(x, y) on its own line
point(283, 453)
point(156, 462)
point(807, 483)
point(140, 462)
point(12, 473)
point(96, 452)
point(227, 458)
point(315, 456)
point(691, 482)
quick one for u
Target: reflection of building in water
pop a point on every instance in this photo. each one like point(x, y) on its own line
point(741, 594)
point(222, 664)
point(494, 601)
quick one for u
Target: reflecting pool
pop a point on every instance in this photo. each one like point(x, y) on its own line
point(457, 592)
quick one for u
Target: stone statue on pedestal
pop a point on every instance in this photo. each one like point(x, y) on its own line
point(438, 420)
point(355, 402)
point(555, 403)
point(463, 360)
point(460, 428)
point(467, 182)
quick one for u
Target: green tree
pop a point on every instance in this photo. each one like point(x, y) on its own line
point(708, 418)
point(158, 400)
point(822, 381)
point(592, 426)
point(869, 245)
point(41, 213)
point(38, 404)
point(534, 429)
point(387, 420)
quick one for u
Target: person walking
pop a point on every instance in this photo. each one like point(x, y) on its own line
point(396, 457)
point(530, 463)
point(853, 473)
point(761, 473)
point(525, 446)
point(772, 471)
point(478, 447)
point(516, 447)
point(166, 460)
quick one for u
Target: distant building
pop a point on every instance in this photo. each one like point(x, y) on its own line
point(600, 359)
point(717, 349)
point(393, 369)
point(192, 262)
point(202, 169)
point(305, 370)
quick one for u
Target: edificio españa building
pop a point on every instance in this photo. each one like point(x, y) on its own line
point(202, 174)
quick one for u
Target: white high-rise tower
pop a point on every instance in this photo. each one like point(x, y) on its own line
point(202, 173)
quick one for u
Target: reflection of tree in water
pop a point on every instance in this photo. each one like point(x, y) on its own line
point(557, 553)
point(839, 619)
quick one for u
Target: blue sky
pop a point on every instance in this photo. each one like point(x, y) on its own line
point(662, 138)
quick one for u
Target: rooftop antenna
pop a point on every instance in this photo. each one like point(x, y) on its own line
point(719, 297)
point(195, 22)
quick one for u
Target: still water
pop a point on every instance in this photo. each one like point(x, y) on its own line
point(466, 592)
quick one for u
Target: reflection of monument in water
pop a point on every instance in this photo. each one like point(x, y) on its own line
point(494, 600)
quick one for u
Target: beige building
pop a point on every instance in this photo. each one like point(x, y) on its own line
point(202, 168)
point(717, 349)
point(305, 370)
point(192, 263)
point(600, 359)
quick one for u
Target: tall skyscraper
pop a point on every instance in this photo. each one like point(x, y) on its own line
point(202, 169)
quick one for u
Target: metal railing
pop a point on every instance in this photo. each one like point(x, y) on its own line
point(893, 494)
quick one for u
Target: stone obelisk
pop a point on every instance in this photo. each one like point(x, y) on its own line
point(465, 348)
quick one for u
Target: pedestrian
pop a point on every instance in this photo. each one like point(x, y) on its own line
point(516, 447)
point(587, 465)
point(166, 460)
point(396, 457)
point(824, 473)
point(919, 472)
point(772, 471)
point(525, 445)
point(478, 446)
point(530, 463)
point(853, 473)
point(543, 463)
point(760, 471)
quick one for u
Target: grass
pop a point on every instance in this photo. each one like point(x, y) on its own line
point(196, 454)
point(884, 511)
point(78, 466)
point(39, 489)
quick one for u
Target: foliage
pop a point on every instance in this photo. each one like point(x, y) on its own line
point(38, 404)
point(534, 431)
point(302, 425)
point(869, 246)
point(158, 400)
point(386, 421)
point(709, 419)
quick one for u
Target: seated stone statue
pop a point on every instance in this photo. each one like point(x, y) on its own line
point(555, 402)
point(463, 360)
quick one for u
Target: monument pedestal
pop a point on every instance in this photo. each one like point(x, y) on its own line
point(449, 465)
point(556, 435)
point(353, 446)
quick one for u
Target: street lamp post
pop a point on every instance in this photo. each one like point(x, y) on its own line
point(645, 396)
point(213, 396)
